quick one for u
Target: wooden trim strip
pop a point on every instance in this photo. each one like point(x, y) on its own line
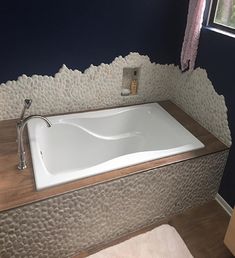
point(18, 188)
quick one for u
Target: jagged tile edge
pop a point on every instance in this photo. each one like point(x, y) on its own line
point(195, 94)
point(100, 86)
point(70, 90)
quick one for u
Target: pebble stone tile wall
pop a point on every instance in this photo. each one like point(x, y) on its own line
point(63, 225)
point(100, 87)
point(195, 94)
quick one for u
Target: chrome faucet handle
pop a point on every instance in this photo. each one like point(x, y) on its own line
point(27, 104)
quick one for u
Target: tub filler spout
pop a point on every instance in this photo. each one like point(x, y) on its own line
point(20, 130)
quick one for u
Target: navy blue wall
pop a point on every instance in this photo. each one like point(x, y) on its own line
point(217, 55)
point(37, 37)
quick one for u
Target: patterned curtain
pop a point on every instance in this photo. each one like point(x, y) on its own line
point(192, 34)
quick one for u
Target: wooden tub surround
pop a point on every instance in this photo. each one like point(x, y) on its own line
point(17, 188)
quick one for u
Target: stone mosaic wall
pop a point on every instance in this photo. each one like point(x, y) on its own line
point(100, 87)
point(63, 225)
point(195, 94)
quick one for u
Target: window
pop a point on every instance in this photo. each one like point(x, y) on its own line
point(222, 15)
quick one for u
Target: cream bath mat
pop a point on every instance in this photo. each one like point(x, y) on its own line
point(161, 242)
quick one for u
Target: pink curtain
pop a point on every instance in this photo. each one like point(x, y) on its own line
point(192, 34)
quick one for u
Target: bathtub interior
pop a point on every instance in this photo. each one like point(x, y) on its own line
point(139, 133)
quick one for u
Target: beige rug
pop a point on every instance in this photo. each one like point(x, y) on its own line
point(161, 242)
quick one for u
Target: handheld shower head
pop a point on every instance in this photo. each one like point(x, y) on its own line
point(27, 103)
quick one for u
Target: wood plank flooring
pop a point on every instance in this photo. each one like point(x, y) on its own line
point(202, 229)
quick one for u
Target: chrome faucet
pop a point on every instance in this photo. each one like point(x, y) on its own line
point(20, 129)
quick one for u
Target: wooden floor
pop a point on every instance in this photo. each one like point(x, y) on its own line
point(202, 229)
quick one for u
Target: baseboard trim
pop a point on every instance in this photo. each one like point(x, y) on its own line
point(224, 204)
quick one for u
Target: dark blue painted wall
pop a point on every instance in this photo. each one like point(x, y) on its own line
point(37, 37)
point(217, 55)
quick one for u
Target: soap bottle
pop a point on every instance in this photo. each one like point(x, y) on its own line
point(134, 84)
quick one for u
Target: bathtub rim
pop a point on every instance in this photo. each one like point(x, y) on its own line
point(18, 189)
point(44, 178)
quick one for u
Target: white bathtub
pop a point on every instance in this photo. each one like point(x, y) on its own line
point(85, 144)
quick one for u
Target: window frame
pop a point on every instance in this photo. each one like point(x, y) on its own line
point(210, 18)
